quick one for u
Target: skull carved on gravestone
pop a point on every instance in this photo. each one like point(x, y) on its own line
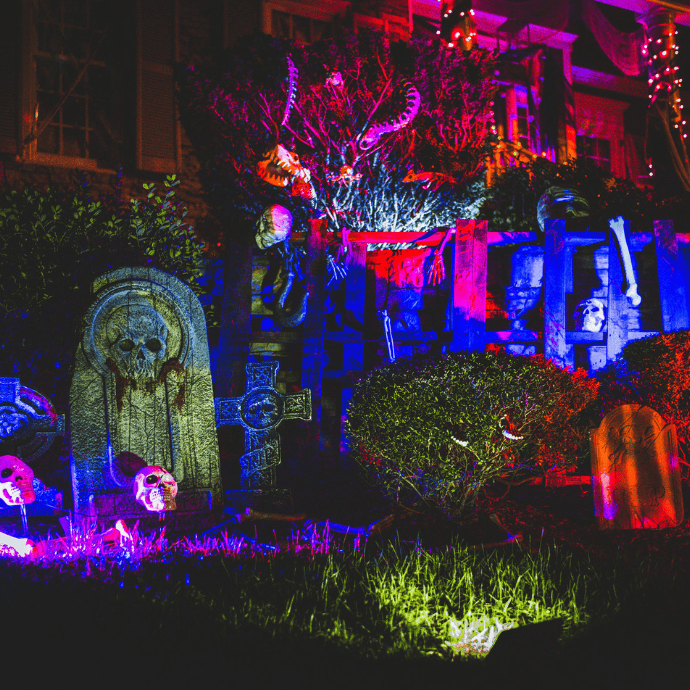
point(274, 225)
point(138, 337)
point(155, 489)
point(590, 315)
point(16, 481)
point(261, 409)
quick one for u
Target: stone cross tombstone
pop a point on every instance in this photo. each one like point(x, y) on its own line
point(28, 427)
point(635, 471)
point(28, 421)
point(260, 411)
point(142, 395)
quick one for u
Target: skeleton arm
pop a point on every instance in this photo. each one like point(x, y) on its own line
point(617, 226)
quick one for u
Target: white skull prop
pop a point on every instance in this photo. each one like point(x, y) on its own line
point(590, 315)
point(274, 226)
point(138, 341)
point(155, 488)
point(16, 481)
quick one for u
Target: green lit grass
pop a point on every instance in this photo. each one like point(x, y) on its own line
point(373, 601)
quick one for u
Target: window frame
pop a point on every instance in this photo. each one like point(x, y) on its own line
point(29, 103)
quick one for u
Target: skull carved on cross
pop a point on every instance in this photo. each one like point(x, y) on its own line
point(138, 337)
point(155, 489)
point(16, 481)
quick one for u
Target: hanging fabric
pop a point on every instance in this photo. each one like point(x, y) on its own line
point(623, 49)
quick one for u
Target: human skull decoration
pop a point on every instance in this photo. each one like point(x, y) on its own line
point(274, 225)
point(138, 337)
point(155, 489)
point(590, 315)
point(16, 481)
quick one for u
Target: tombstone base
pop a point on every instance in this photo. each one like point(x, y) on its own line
point(266, 500)
point(106, 508)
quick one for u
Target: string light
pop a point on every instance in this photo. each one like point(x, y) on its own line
point(663, 82)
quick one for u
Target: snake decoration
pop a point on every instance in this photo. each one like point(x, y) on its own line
point(292, 89)
point(375, 132)
point(282, 317)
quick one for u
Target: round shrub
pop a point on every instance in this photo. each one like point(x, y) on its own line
point(432, 431)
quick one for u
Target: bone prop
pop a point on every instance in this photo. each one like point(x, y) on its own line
point(618, 227)
point(23, 547)
point(388, 331)
point(249, 515)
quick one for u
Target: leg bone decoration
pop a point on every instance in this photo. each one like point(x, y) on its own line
point(617, 225)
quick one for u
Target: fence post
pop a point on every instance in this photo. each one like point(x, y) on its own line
point(673, 288)
point(313, 337)
point(555, 256)
point(235, 322)
point(353, 321)
point(468, 296)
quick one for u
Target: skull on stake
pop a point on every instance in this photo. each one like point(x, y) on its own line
point(590, 316)
point(138, 337)
point(274, 225)
point(155, 489)
point(16, 481)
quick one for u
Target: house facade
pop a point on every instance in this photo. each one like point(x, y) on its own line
point(89, 84)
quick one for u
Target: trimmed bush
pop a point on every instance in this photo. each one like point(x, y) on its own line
point(432, 431)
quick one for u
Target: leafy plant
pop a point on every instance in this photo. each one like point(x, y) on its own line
point(431, 432)
point(511, 202)
point(53, 244)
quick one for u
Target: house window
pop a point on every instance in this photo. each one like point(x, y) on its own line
point(73, 113)
point(522, 118)
point(596, 149)
point(303, 29)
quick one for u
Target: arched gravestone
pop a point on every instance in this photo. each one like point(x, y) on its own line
point(142, 394)
point(635, 470)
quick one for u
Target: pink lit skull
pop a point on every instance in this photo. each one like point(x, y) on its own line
point(155, 488)
point(16, 481)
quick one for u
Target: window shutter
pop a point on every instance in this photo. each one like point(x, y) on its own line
point(10, 33)
point(158, 133)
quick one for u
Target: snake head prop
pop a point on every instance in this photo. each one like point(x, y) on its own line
point(280, 167)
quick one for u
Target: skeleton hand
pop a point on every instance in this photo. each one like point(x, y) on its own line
point(344, 248)
point(335, 270)
point(437, 271)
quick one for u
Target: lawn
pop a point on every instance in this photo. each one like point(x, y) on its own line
point(422, 604)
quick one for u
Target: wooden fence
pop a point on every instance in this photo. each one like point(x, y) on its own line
point(362, 341)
